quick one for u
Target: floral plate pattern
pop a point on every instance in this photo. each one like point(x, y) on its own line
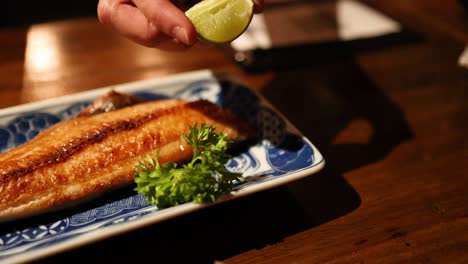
point(279, 157)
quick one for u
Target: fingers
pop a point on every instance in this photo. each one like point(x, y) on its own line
point(168, 19)
point(130, 21)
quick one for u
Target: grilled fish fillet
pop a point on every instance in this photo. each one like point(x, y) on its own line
point(89, 154)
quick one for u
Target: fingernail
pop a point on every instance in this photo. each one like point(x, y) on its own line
point(180, 34)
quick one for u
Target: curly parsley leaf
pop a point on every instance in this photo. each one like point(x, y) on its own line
point(203, 179)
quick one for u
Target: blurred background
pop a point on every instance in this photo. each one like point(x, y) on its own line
point(26, 13)
point(20, 14)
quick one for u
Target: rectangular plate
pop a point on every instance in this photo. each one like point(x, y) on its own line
point(283, 155)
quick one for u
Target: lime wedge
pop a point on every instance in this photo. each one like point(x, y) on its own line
point(220, 21)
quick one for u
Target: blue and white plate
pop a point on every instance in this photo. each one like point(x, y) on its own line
point(283, 155)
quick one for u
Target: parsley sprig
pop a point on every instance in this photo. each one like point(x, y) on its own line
point(203, 179)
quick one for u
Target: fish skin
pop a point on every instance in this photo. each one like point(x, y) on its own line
point(86, 155)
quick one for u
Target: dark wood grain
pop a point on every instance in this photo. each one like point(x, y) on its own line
point(390, 117)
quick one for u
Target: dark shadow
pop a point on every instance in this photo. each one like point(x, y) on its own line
point(303, 55)
point(322, 100)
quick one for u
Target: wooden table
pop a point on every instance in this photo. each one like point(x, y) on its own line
point(391, 121)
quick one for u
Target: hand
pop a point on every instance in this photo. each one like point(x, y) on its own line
point(152, 23)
